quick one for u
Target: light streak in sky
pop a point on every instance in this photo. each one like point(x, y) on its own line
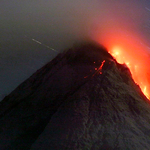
point(38, 42)
point(44, 45)
point(147, 8)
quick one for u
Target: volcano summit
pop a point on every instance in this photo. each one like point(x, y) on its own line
point(81, 100)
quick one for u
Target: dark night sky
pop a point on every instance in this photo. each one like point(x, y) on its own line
point(58, 24)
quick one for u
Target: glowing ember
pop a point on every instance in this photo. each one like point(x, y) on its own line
point(99, 70)
point(85, 77)
point(101, 66)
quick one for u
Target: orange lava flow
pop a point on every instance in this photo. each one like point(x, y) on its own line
point(130, 51)
point(101, 66)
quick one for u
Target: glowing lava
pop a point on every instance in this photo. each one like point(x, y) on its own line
point(99, 70)
point(137, 63)
point(129, 50)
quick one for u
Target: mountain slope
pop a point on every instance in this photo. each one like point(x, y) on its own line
point(82, 99)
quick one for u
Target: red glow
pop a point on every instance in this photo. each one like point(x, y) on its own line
point(99, 70)
point(85, 77)
point(128, 49)
point(101, 66)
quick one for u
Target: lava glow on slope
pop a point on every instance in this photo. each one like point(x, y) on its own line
point(137, 66)
point(130, 51)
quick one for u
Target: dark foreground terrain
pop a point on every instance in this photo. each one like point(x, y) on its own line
point(81, 100)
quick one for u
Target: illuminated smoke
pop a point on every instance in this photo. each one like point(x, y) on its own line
point(125, 39)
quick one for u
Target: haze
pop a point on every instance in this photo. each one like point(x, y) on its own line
point(59, 24)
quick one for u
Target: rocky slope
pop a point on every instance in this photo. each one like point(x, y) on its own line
point(81, 100)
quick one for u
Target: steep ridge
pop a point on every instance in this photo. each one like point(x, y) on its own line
point(82, 99)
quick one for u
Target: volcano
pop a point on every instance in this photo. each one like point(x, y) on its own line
point(81, 100)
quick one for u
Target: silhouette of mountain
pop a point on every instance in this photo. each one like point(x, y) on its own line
point(81, 100)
